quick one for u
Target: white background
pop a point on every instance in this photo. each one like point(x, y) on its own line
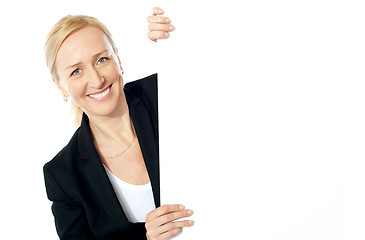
point(261, 113)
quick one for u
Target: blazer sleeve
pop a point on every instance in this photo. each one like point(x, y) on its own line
point(70, 218)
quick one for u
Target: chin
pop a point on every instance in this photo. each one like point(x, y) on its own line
point(108, 108)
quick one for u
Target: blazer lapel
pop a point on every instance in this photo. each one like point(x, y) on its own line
point(97, 180)
point(143, 125)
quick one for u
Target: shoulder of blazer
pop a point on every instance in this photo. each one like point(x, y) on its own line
point(143, 93)
point(145, 89)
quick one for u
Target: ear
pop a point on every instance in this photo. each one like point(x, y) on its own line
point(59, 86)
point(120, 64)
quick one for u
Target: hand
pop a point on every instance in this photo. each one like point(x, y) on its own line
point(160, 224)
point(159, 26)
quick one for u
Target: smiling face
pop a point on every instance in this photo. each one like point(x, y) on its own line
point(89, 71)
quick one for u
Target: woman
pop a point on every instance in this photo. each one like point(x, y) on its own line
point(105, 183)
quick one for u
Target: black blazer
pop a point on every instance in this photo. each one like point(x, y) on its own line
point(84, 203)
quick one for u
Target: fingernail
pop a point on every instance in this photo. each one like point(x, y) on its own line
point(171, 28)
point(191, 222)
point(167, 34)
point(182, 207)
point(167, 20)
point(189, 211)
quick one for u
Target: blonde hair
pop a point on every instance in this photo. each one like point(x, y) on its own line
point(60, 31)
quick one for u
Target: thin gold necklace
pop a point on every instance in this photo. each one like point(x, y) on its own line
point(134, 137)
point(130, 144)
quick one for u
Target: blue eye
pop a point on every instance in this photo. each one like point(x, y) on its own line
point(77, 71)
point(103, 59)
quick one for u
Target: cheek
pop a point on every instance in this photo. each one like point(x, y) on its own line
point(115, 73)
point(76, 89)
point(115, 70)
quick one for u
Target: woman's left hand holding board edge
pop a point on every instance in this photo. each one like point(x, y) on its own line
point(159, 26)
point(161, 224)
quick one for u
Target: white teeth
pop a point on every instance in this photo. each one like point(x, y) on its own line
point(100, 95)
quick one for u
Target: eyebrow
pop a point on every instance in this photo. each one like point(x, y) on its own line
point(94, 56)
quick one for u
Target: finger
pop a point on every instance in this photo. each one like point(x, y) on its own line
point(164, 209)
point(175, 225)
point(157, 11)
point(158, 19)
point(167, 218)
point(170, 234)
point(154, 35)
point(173, 216)
point(171, 229)
point(161, 27)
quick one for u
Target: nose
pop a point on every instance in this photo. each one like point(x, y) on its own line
point(95, 78)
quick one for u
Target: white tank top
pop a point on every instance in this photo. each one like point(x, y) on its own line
point(136, 200)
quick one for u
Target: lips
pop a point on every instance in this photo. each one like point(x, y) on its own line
point(100, 95)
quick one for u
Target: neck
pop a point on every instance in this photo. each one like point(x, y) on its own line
point(112, 130)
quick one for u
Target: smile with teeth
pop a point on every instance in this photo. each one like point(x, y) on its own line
point(100, 95)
